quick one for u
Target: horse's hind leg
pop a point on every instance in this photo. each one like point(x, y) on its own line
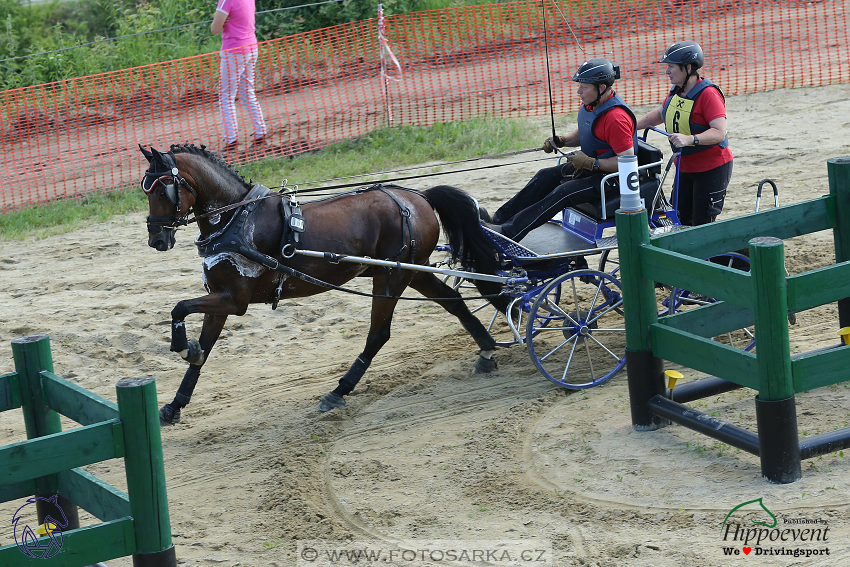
point(430, 286)
point(379, 334)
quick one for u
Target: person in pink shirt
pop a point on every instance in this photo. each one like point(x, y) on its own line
point(234, 20)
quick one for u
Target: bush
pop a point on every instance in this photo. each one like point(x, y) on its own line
point(27, 29)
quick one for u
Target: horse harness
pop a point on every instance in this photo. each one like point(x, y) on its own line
point(231, 237)
point(171, 180)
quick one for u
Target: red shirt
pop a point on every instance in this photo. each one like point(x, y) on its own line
point(708, 106)
point(617, 128)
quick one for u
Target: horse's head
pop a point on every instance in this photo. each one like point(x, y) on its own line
point(170, 198)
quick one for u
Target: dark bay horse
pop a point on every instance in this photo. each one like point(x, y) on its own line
point(244, 262)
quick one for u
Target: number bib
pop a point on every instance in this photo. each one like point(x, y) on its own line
point(677, 119)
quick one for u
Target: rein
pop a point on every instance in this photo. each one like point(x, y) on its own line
point(356, 184)
point(284, 190)
point(494, 156)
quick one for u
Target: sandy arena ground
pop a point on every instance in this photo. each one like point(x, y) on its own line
point(425, 450)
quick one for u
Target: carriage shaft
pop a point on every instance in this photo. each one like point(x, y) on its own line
point(336, 258)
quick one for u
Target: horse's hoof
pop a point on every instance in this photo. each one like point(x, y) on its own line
point(195, 354)
point(169, 415)
point(485, 365)
point(330, 401)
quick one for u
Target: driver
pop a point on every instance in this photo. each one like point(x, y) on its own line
point(606, 129)
point(694, 113)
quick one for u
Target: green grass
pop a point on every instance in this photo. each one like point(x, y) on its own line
point(392, 148)
point(62, 216)
point(381, 150)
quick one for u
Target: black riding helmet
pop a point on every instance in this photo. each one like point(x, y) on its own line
point(684, 53)
point(597, 71)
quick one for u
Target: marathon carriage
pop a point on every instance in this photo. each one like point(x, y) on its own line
point(569, 315)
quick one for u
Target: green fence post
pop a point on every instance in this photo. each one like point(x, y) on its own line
point(776, 413)
point(645, 371)
point(839, 188)
point(32, 355)
point(138, 411)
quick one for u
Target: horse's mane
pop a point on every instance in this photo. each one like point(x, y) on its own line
point(211, 157)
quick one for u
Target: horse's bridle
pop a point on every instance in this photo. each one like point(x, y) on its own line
point(171, 180)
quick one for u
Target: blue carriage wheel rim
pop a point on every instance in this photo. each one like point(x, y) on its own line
point(533, 317)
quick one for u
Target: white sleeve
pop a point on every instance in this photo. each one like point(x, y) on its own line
point(223, 6)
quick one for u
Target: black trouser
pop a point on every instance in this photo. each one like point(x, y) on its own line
point(701, 195)
point(549, 191)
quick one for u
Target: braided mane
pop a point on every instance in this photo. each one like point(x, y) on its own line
point(210, 156)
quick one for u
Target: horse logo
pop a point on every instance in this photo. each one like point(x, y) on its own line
point(760, 523)
point(28, 540)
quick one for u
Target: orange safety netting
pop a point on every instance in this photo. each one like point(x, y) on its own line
point(67, 138)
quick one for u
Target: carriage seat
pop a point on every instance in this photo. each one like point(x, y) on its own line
point(647, 154)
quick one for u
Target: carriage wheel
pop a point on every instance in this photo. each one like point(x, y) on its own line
point(682, 300)
point(610, 264)
point(579, 340)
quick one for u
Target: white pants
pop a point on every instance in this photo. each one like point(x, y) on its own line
point(237, 77)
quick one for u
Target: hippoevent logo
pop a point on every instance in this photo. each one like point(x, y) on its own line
point(750, 532)
point(27, 539)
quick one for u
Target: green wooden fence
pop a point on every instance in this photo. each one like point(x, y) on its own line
point(48, 464)
point(763, 297)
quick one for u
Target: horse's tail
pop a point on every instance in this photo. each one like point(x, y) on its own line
point(459, 217)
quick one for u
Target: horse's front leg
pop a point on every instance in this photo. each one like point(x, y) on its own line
point(221, 303)
point(216, 308)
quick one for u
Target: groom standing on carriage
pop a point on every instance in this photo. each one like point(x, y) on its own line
point(606, 129)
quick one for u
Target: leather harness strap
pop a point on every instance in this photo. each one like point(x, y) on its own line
point(231, 238)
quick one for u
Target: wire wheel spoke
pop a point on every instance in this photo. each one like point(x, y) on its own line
point(557, 348)
point(590, 304)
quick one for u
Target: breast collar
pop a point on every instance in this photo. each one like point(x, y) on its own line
point(231, 237)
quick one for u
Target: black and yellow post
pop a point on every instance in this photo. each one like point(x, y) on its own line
point(838, 170)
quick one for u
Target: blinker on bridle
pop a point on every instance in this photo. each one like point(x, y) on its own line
point(171, 181)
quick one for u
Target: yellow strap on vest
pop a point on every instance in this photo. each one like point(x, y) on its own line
point(677, 117)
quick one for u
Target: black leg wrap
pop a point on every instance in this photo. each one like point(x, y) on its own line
point(479, 334)
point(187, 386)
point(178, 336)
point(353, 376)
